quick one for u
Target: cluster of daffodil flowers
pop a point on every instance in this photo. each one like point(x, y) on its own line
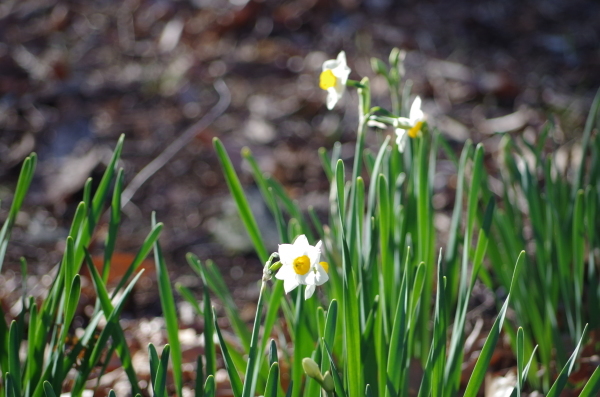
point(383, 273)
point(299, 263)
point(334, 79)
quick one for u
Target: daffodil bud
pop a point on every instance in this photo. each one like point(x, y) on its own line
point(311, 369)
point(269, 268)
point(378, 66)
point(275, 266)
point(328, 384)
point(376, 124)
point(394, 55)
point(397, 61)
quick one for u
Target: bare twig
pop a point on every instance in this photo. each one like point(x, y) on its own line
point(179, 143)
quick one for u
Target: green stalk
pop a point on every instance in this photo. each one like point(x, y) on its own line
point(254, 358)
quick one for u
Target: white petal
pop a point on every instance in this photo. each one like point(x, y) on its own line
point(401, 139)
point(341, 72)
point(332, 98)
point(287, 254)
point(310, 290)
point(376, 124)
point(285, 272)
point(303, 278)
point(330, 64)
point(416, 114)
point(403, 122)
point(290, 283)
point(321, 277)
point(314, 254)
point(341, 58)
point(301, 242)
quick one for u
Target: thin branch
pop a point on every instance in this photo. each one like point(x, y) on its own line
point(179, 143)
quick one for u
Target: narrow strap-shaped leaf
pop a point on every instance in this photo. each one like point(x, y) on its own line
point(385, 232)
point(187, 294)
point(73, 301)
point(525, 371)
point(48, 389)
point(587, 130)
point(397, 348)
point(339, 183)
point(154, 361)
point(145, 249)
point(300, 338)
point(273, 352)
point(272, 381)
point(78, 219)
point(199, 390)
point(167, 302)
point(578, 249)
point(426, 380)
point(290, 389)
point(30, 369)
point(253, 357)
point(209, 331)
point(106, 333)
point(110, 352)
point(265, 189)
point(291, 206)
point(235, 187)
point(160, 383)
point(4, 331)
point(337, 381)
point(439, 333)
point(100, 196)
point(561, 381)
point(485, 356)
point(95, 205)
point(520, 359)
point(211, 277)
point(113, 225)
point(351, 322)
point(25, 177)
point(107, 307)
point(364, 99)
point(482, 240)
point(234, 376)
point(325, 163)
point(331, 322)
point(328, 332)
point(209, 386)
point(14, 366)
point(474, 190)
point(592, 387)
point(215, 280)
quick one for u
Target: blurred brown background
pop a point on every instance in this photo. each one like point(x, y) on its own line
point(75, 75)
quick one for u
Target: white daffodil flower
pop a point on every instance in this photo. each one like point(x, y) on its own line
point(333, 78)
point(409, 126)
point(301, 266)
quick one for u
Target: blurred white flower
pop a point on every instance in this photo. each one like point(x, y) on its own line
point(409, 126)
point(301, 266)
point(333, 78)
